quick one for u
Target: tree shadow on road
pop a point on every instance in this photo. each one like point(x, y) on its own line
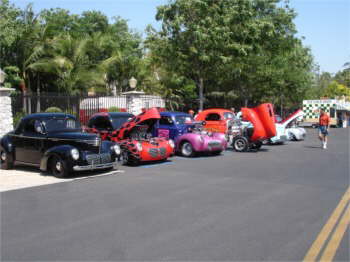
point(231, 150)
point(318, 147)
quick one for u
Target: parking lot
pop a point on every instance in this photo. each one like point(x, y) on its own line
point(266, 205)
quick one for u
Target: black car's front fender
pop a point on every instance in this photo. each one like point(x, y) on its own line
point(7, 145)
point(62, 151)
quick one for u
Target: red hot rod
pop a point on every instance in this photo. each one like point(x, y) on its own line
point(133, 134)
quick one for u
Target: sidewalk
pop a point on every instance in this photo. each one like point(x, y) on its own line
point(23, 177)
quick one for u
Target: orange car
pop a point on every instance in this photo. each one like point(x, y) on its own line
point(216, 119)
point(258, 124)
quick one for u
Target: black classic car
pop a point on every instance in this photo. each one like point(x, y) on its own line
point(55, 142)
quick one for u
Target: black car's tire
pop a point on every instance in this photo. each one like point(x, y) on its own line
point(5, 161)
point(257, 145)
point(58, 167)
point(186, 149)
point(240, 144)
point(124, 158)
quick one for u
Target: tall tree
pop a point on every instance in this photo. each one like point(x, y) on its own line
point(66, 59)
point(10, 30)
point(224, 42)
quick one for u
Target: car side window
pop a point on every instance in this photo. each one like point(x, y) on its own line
point(29, 127)
point(91, 122)
point(39, 127)
point(212, 117)
point(228, 115)
point(102, 123)
point(165, 120)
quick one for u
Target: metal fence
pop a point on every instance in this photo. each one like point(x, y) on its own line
point(83, 107)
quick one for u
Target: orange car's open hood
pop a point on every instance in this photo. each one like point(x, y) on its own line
point(149, 117)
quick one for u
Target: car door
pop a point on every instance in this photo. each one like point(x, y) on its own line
point(32, 146)
point(166, 127)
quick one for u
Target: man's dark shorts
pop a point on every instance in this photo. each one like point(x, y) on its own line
point(323, 130)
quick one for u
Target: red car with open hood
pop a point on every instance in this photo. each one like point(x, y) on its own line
point(133, 134)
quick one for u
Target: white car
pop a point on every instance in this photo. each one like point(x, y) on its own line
point(287, 129)
point(295, 133)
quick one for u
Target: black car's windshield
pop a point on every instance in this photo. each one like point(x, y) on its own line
point(117, 121)
point(61, 124)
point(183, 119)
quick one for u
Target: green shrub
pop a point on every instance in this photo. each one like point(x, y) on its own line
point(113, 109)
point(17, 117)
point(53, 109)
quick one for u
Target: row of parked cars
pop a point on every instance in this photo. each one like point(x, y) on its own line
point(57, 143)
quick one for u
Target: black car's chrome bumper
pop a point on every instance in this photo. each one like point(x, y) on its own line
point(94, 167)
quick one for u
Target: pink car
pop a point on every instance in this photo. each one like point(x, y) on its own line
point(189, 136)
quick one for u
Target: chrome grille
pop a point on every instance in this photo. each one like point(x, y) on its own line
point(98, 158)
point(155, 152)
point(214, 143)
point(96, 142)
point(162, 151)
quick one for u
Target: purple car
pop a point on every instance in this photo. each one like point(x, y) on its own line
point(189, 136)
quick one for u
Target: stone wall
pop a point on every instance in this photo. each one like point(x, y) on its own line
point(134, 102)
point(6, 118)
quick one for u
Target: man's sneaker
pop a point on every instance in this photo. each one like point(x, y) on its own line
point(324, 146)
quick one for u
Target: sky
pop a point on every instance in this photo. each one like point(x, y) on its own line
point(325, 24)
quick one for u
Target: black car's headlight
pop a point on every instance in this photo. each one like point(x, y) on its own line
point(74, 153)
point(116, 149)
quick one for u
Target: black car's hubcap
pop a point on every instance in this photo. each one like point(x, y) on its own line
point(58, 166)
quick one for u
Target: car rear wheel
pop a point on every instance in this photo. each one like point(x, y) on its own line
point(5, 162)
point(58, 167)
point(257, 145)
point(240, 144)
point(187, 149)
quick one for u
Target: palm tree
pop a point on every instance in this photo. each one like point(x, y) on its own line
point(67, 59)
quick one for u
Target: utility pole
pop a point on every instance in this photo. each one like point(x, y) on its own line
point(201, 97)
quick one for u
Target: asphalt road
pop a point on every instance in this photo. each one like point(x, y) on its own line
point(267, 205)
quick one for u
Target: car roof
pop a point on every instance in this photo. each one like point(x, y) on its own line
point(113, 114)
point(217, 110)
point(173, 113)
point(47, 115)
point(116, 114)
